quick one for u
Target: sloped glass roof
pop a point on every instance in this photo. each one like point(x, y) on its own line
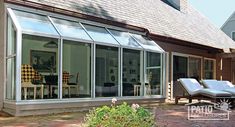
point(34, 23)
point(125, 39)
point(70, 29)
point(147, 43)
point(31, 23)
point(100, 34)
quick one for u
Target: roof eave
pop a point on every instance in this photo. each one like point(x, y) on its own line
point(185, 43)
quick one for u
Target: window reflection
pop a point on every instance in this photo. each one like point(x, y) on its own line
point(39, 75)
point(100, 34)
point(35, 23)
point(70, 29)
point(209, 69)
point(106, 71)
point(10, 61)
point(153, 77)
point(131, 72)
point(76, 70)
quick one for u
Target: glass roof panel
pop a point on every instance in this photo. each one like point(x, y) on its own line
point(70, 29)
point(35, 23)
point(147, 43)
point(100, 34)
point(125, 39)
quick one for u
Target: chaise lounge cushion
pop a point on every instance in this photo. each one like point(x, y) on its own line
point(220, 85)
point(214, 93)
point(227, 84)
point(191, 85)
point(232, 91)
point(213, 84)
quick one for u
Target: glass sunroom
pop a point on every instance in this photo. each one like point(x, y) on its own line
point(51, 58)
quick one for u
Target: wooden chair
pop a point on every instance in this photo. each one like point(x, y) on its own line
point(148, 85)
point(28, 74)
point(67, 85)
point(65, 81)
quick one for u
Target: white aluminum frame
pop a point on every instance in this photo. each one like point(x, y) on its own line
point(6, 55)
point(162, 63)
point(18, 53)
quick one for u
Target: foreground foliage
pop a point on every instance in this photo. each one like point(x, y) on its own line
point(119, 116)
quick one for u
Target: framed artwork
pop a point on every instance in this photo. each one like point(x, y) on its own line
point(43, 61)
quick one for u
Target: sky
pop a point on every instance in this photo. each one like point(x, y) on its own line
point(217, 11)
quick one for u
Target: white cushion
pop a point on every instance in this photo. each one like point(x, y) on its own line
point(191, 85)
point(214, 93)
point(213, 84)
point(227, 84)
point(230, 90)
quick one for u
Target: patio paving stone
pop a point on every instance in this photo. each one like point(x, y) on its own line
point(166, 115)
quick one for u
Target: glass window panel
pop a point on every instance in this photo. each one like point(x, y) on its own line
point(10, 76)
point(100, 34)
point(35, 23)
point(153, 76)
point(153, 86)
point(39, 67)
point(208, 69)
point(11, 42)
point(77, 66)
point(106, 71)
point(146, 43)
point(153, 59)
point(180, 67)
point(233, 36)
point(125, 39)
point(70, 29)
point(131, 72)
point(194, 68)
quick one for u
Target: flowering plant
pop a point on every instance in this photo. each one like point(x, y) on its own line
point(119, 116)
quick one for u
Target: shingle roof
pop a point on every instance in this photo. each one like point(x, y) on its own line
point(154, 15)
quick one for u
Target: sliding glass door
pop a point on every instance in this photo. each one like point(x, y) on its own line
point(185, 67)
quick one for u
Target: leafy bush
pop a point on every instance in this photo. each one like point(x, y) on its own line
point(119, 116)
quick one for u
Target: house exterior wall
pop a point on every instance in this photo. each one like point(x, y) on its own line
point(228, 64)
point(2, 36)
point(224, 66)
point(225, 69)
point(186, 50)
point(229, 26)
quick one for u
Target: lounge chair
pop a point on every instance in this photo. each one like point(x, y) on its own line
point(196, 91)
point(220, 85)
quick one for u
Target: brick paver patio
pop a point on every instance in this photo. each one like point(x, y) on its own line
point(167, 115)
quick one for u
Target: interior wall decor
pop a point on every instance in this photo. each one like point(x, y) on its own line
point(43, 61)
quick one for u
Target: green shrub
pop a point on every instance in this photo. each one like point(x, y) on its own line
point(119, 116)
